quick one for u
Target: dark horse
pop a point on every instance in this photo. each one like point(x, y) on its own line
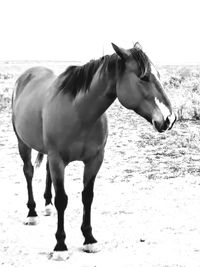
point(64, 117)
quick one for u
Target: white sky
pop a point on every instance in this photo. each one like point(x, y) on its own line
point(168, 30)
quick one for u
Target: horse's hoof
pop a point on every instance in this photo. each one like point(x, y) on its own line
point(91, 248)
point(48, 210)
point(60, 255)
point(31, 221)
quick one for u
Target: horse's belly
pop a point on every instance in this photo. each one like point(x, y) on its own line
point(31, 137)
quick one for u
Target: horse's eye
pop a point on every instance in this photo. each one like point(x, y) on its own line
point(145, 78)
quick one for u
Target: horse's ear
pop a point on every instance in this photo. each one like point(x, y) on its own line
point(137, 45)
point(121, 52)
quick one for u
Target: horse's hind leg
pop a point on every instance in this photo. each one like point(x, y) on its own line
point(91, 169)
point(57, 168)
point(25, 153)
point(47, 193)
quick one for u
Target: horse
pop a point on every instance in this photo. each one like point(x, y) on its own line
point(64, 117)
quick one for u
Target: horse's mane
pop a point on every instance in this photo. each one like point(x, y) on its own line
point(78, 78)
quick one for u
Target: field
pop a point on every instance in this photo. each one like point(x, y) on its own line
point(147, 193)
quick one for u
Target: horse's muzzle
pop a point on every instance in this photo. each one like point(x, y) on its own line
point(166, 124)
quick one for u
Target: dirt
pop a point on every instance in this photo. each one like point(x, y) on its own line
point(146, 205)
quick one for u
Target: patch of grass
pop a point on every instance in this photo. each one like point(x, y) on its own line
point(6, 87)
point(183, 87)
point(5, 102)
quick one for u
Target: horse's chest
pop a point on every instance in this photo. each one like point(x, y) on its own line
point(87, 144)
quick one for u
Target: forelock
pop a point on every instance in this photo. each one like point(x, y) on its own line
point(142, 60)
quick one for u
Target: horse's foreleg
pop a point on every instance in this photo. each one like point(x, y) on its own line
point(57, 167)
point(25, 153)
point(91, 169)
point(47, 193)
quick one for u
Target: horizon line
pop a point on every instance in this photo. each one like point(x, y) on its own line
point(80, 61)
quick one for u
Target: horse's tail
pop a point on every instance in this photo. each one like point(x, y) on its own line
point(39, 159)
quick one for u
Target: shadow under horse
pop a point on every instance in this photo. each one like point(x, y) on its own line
point(64, 117)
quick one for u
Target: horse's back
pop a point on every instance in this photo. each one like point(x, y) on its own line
point(30, 76)
point(29, 96)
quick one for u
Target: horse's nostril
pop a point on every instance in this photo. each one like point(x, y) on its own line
point(167, 121)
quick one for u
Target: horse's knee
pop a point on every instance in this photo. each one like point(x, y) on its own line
point(61, 201)
point(87, 196)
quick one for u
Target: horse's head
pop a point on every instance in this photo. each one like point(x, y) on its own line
point(139, 89)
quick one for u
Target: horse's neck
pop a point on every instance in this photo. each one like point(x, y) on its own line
point(96, 101)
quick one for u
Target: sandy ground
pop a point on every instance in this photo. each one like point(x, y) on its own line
point(146, 205)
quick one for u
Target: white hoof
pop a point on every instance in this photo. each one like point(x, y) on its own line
point(91, 248)
point(60, 255)
point(31, 221)
point(48, 210)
